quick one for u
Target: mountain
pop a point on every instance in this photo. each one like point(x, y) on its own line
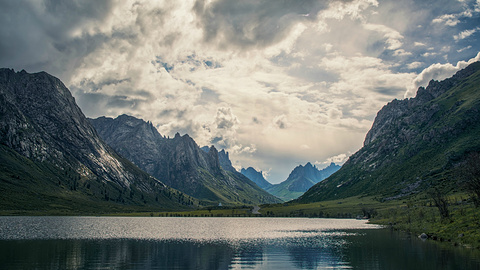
point(179, 162)
point(53, 160)
point(223, 158)
point(414, 144)
point(256, 177)
point(300, 180)
point(225, 162)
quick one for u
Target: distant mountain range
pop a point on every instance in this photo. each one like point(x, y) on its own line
point(51, 158)
point(414, 144)
point(179, 162)
point(256, 177)
point(300, 180)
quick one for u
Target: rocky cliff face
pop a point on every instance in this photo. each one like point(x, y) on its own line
point(225, 161)
point(256, 177)
point(413, 143)
point(179, 162)
point(40, 121)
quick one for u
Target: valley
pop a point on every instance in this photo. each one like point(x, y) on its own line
point(416, 171)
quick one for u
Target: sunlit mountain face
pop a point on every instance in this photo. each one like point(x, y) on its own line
point(274, 83)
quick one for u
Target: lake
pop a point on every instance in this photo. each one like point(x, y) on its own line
point(217, 243)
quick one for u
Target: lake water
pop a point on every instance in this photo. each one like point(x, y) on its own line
point(217, 243)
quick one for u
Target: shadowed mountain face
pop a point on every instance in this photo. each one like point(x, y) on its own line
point(51, 154)
point(414, 144)
point(256, 177)
point(300, 180)
point(180, 163)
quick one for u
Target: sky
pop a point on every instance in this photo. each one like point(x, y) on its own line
point(275, 83)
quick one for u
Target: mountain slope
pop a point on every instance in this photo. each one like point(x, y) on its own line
point(53, 158)
point(256, 177)
point(300, 180)
point(414, 144)
point(180, 162)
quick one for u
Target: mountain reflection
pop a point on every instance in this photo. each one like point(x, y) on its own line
point(150, 254)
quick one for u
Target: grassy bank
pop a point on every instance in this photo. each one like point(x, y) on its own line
point(462, 227)
point(416, 215)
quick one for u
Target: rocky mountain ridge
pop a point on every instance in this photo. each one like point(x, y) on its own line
point(180, 163)
point(49, 148)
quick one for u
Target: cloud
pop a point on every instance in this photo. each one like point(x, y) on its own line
point(448, 19)
point(223, 132)
point(251, 24)
point(47, 35)
point(225, 119)
point(414, 65)
point(393, 38)
point(304, 147)
point(465, 34)
point(438, 72)
point(401, 52)
point(281, 121)
point(337, 159)
point(464, 48)
point(468, 9)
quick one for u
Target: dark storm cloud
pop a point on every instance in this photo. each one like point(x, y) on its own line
point(252, 23)
point(41, 35)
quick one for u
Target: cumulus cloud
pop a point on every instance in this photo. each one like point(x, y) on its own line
point(393, 38)
point(223, 132)
point(448, 19)
point(414, 65)
point(437, 72)
point(224, 128)
point(225, 119)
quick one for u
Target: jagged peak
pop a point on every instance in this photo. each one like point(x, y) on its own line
point(223, 152)
point(212, 148)
point(7, 70)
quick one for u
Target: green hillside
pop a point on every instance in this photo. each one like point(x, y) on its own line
point(414, 145)
point(41, 188)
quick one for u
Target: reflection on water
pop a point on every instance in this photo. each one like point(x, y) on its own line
point(210, 243)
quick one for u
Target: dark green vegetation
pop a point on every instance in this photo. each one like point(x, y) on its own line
point(180, 163)
point(53, 162)
point(300, 180)
point(40, 188)
point(415, 145)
